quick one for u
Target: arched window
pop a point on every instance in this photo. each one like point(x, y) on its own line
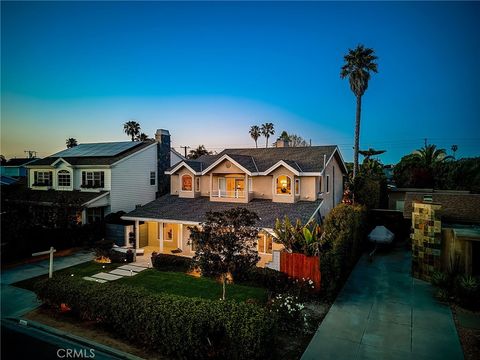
point(186, 183)
point(284, 185)
point(64, 178)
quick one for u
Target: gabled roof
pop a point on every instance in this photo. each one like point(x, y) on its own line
point(94, 160)
point(309, 159)
point(19, 161)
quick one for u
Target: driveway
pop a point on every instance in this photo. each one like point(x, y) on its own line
point(383, 313)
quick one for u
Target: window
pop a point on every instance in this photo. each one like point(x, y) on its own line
point(152, 177)
point(297, 186)
point(93, 179)
point(250, 184)
point(197, 184)
point(64, 178)
point(328, 184)
point(284, 185)
point(94, 215)
point(265, 243)
point(186, 183)
point(42, 178)
point(170, 232)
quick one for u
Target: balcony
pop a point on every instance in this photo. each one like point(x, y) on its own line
point(233, 194)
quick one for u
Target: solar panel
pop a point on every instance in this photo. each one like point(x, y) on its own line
point(97, 149)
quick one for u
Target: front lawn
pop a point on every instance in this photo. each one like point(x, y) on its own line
point(186, 285)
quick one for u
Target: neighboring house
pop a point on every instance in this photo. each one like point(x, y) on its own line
point(301, 183)
point(100, 178)
point(175, 157)
point(16, 167)
point(8, 180)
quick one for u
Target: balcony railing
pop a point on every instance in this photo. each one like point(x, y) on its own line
point(232, 194)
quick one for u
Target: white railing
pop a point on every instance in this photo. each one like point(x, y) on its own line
point(233, 194)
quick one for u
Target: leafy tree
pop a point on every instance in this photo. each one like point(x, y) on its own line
point(298, 141)
point(359, 63)
point(255, 133)
point(141, 137)
point(199, 151)
point(284, 136)
point(131, 128)
point(225, 243)
point(298, 238)
point(3, 160)
point(71, 142)
point(267, 130)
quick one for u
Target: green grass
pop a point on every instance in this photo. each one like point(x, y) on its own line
point(185, 285)
point(85, 269)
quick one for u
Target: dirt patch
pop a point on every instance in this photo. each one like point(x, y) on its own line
point(469, 334)
point(87, 330)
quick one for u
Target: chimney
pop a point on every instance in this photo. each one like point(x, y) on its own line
point(281, 143)
point(162, 137)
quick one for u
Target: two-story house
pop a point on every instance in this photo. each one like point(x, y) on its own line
point(299, 182)
point(96, 179)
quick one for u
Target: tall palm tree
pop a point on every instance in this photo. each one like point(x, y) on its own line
point(454, 149)
point(199, 151)
point(370, 152)
point(131, 128)
point(71, 142)
point(359, 63)
point(267, 130)
point(141, 137)
point(255, 134)
point(429, 155)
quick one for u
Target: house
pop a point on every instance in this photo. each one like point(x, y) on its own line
point(302, 183)
point(96, 179)
point(16, 167)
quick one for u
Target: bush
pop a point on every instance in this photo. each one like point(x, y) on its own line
point(288, 308)
point(275, 281)
point(167, 262)
point(467, 291)
point(173, 325)
point(341, 245)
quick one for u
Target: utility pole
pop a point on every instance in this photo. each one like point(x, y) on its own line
point(31, 153)
point(425, 141)
point(185, 149)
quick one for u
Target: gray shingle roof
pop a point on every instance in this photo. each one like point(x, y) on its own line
point(19, 161)
point(304, 159)
point(93, 160)
point(171, 207)
point(50, 197)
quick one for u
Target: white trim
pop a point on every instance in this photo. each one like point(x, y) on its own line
point(185, 222)
point(275, 186)
point(295, 187)
point(181, 183)
point(97, 198)
point(61, 159)
point(280, 163)
point(135, 153)
point(179, 165)
point(222, 158)
point(341, 158)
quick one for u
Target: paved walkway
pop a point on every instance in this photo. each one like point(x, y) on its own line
point(383, 313)
point(118, 273)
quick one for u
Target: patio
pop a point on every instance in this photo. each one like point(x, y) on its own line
point(383, 313)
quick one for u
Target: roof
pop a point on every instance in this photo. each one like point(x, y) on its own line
point(95, 159)
point(172, 207)
point(302, 159)
point(462, 207)
point(7, 180)
point(19, 161)
point(177, 153)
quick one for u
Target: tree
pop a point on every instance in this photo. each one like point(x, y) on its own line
point(267, 130)
point(199, 151)
point(131, 128)
point(141, 137)
point(3, 160)
point(284, 136)
point(225, 243)
point(370, 152)
point(429, 155)
point(454, 150)
point(255, 134)
point(71, 142)
point(298, 141)
point(359, 63)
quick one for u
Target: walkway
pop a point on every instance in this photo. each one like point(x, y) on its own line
point(383, 313)
point(118, 273)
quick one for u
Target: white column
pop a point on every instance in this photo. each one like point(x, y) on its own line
point(180, 236)
point(127, 229)
point(161, 236)
point(84, 216)
point(137, 234)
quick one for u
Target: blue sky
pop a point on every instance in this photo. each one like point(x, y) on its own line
point(207, 71)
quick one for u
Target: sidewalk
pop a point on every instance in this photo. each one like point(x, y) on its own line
point(383, 313)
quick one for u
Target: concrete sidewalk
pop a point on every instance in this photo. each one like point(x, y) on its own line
point(383, 313)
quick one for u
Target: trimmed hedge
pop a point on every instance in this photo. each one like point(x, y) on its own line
point(275, 281)
point(167, 262)
point(176, 326)
point(341, 245)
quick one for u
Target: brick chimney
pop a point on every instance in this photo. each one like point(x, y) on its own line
point(162, 137)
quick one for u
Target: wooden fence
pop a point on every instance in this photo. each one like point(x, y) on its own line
point(300, 266)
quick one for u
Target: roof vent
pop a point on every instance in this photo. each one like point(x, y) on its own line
point(427, 198)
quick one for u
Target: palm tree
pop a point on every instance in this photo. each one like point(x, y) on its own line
point(141, 137)
point(71, 142)
point(131, 128)
point(255, 134)
point(370, 152)
point(267, 130)
point(359, 62)
point(199, 151)
point(454, 149)
point(429, 155)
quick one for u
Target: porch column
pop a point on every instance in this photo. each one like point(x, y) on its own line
point(180, 236)
point(84, 216)
point(211, 184)
point(137, 234)
point(160, 224)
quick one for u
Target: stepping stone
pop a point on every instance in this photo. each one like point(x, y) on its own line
point(132, 267)
point(142, 265)
point(88, 278)
point(121, 272)
point(105, 276)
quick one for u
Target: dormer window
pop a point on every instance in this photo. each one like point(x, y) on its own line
point(284, 185)
point(187, 183)
point(64, 178)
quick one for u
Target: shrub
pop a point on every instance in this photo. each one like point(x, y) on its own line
point(173, 325)
point(288, 308)
point(467, 291)
point(167, 262)
point(341, 244)
point(273, 280)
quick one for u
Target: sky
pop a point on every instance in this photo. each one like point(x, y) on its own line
point(207, 71)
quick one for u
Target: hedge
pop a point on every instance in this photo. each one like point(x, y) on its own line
point(176, 326)
point(341, 245)
point(167, 262)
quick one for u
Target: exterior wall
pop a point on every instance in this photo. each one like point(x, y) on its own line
point(174, 158)
point(14, 171)
point(186, 194)
point(262, 187)
point(396, 200)
point(280, 197)
point(335, 193)
point(130, 183)
point(174, 184)
point(308, 188)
